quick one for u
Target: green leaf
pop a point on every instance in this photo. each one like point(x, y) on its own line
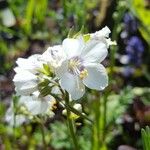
point(29, 16)
point(146, 138)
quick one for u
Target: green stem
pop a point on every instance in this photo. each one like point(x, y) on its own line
point(96, 126)
point(71, 108)
point(42, 127)
point(104, 105)
point(77, 113)
point(71, 124)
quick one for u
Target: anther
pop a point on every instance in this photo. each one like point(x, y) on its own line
point(83, 74)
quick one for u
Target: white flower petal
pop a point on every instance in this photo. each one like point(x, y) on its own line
point(23, 75)
point(54, 56)
point(61, 70)
point(52, 53)
point(101, 35)
point(26, 88)
point(23, 63)
point(88, 46)
point(37, 107)
point(103, 32)
point(72, 85)
point(32, 63)
point(97, 77)
point(25, 82)
point(72, 47)
point(96, 54)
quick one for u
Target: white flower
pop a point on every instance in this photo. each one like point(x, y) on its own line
point(37, 104)
point(25, 82)
point(103, 35)
point(82, 66)
point(26, 79)
point(54, 56)
point(104, 32)
point(27, 107)
point(31, 64)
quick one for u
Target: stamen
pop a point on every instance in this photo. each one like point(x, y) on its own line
point(76, 68)
point(83, 74)
point(74, 63)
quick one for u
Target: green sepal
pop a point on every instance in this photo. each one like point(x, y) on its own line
point(44, 83)
point(45, 91)
point(71, 32)
point(46, 70)
point(79, 33)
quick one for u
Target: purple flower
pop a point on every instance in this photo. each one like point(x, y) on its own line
point(134, 50)
point(130, 22)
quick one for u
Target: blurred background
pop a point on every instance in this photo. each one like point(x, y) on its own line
point(29, 26)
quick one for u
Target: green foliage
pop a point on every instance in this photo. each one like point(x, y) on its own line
point(60, 138)
point(117, 103)
point(141, 12)
point(146, 138)
point(2, 110)
point(35, 12)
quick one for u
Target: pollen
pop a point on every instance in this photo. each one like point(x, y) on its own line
point(83, 74)
point(74, 63)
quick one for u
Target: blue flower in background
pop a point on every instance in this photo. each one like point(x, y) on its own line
point(134, 50)
point(134, 46)
point(128, 71)
point(131, 24)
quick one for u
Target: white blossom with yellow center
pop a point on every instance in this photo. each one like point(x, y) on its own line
point(81, 66)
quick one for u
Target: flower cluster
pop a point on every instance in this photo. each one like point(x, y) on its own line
point(134, 50)
point(68, 67)
point(134, 47)
point(130, 23)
